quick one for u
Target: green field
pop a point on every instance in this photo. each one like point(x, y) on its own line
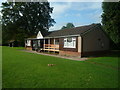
point(27, 70)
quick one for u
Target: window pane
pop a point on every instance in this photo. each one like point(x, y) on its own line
point(69, 39)
point(28, 43)
point(70, 42)
point(65, 42)
point(74, 42)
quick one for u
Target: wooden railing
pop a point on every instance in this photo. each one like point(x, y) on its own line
point(51, 47)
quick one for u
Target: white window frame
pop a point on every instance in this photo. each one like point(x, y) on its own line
point(28, 42)
point(70, 44)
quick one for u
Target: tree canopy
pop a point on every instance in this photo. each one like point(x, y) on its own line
point(68, 25)
point(25, 19)
point(111, 20)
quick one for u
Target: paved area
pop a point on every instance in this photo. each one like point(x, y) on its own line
point(71, 58)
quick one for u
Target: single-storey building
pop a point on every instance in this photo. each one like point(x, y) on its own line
point(78, 41)
point(13, 43)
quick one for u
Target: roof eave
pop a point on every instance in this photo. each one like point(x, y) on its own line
point(62, 36)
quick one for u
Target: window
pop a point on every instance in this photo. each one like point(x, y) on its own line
point(57, 42)
point(28, 42)
point(38, 43)
point(70, 42)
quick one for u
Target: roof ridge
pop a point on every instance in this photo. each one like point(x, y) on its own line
point(73, 31)
point(75, 27)
point(95, 25)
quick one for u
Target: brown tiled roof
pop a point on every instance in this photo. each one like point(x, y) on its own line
point(73, 31)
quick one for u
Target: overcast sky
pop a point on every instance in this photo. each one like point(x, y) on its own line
point(78, 13)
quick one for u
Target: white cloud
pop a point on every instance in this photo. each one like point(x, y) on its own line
point(1, 1)
point(72, 15)
point(59, 8)
point(86, 6)
point(57, 26)
point(78, 15)
point(96, 16)
point(54, 28)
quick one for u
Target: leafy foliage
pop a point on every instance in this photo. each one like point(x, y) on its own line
point(111, 20)
point(68, 25)
point(25, 19)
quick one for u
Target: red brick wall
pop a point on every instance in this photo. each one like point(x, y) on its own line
point(94, 53)
point(69, 53)
point(29, 48)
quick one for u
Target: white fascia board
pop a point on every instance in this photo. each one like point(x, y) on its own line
point(39, 35)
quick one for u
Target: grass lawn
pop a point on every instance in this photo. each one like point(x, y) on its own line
point(27, 70)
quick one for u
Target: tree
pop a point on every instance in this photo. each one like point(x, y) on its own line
point(68, 25)
point(26, 18)
point(111, 20)
point(64, 27)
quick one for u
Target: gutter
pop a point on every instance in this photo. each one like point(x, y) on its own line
point(62, 36)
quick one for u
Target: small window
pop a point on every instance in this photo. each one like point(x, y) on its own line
point(57, 42)
point(39, 43)
point(28, 42)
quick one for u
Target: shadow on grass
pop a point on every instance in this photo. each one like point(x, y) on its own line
point(111, 53)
